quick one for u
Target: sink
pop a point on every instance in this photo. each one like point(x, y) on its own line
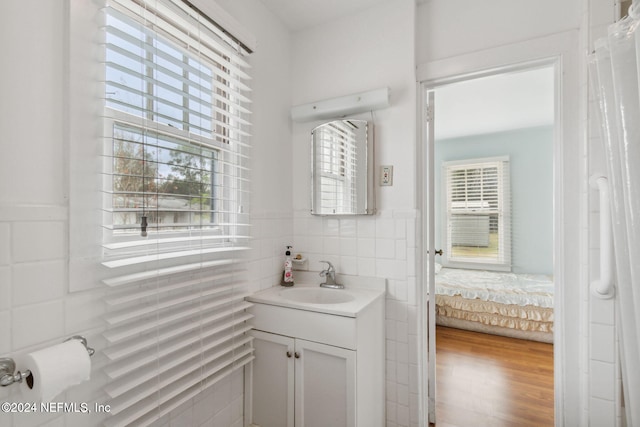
point(359, 293)
point(317, 295)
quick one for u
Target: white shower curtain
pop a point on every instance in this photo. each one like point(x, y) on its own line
point(616, 66)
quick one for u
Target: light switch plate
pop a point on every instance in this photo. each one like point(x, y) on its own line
point(386, 175)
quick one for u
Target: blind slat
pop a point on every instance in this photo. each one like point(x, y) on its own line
point(129, 331)
point(162, 272)
point(162, 17)
point(184, 396)
point(167, 256)
point(170, 369)
point(114, 32)
point(164, 130)
point(163, 304)
point(128, 348)
point(170, 399)
point(193, 337)
point(142, 293)
point(176, 383)
point(167, 241)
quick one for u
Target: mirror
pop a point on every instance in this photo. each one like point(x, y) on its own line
point(342, 168)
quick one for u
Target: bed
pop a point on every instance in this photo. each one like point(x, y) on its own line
point(514, 305)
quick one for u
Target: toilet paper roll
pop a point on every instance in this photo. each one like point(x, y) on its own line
point(55, 369)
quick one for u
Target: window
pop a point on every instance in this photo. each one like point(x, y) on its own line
point(175, 207)
point(174, 114)
point(477, 214)
point(167, 180)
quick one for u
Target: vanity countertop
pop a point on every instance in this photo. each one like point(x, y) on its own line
point(347, 302)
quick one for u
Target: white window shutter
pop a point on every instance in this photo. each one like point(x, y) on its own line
point(478, 213)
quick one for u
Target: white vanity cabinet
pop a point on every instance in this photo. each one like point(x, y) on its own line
point(315, 369)
point(302, 383)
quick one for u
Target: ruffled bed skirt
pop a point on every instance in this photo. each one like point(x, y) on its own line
point(519, 321)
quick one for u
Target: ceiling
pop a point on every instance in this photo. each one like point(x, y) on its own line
point(297, 15)
point(496, 103)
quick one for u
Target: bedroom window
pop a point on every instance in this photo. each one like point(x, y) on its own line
point(477, 214)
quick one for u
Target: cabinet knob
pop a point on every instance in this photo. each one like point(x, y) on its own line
point(297, 355)
point(288, 354)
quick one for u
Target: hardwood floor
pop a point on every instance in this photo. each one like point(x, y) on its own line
point(491, 381)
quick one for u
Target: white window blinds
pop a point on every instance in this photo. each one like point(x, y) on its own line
point(477, 212)
point(176, 202)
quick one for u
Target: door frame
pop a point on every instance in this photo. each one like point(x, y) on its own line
point(560, 50)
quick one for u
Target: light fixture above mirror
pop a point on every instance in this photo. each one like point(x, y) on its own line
point(342, 106)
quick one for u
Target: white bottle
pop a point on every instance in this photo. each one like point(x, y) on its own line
point(288, 269)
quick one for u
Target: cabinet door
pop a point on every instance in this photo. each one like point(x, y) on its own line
point(325, 385)
point(273, 380)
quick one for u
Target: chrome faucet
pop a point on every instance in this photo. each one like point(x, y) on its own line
point(330, 277)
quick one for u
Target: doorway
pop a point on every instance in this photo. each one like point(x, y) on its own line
point(489, 200)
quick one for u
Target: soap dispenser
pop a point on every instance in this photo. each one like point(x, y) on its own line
point(287, 278)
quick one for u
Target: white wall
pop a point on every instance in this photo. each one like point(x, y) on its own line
point(32, 113)
point(369, 50)
point(455, 27)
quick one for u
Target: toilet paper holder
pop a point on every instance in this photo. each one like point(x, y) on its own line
point(8, 366)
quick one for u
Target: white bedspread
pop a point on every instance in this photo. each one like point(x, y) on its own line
point(505, 288)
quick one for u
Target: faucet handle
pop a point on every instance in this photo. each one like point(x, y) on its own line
point(330, 275)
point(330, 267)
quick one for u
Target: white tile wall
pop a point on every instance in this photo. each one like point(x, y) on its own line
point(271, 233)
point(33, 294)
point(602, 367)
point(39, 282)
point(600, 411)
point(5, 332)
point(5, 243)
point(51, 238)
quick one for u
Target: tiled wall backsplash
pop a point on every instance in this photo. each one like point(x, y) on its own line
point(271, 233)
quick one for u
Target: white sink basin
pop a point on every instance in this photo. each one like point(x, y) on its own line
point(317, 295)
point(359, 293)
